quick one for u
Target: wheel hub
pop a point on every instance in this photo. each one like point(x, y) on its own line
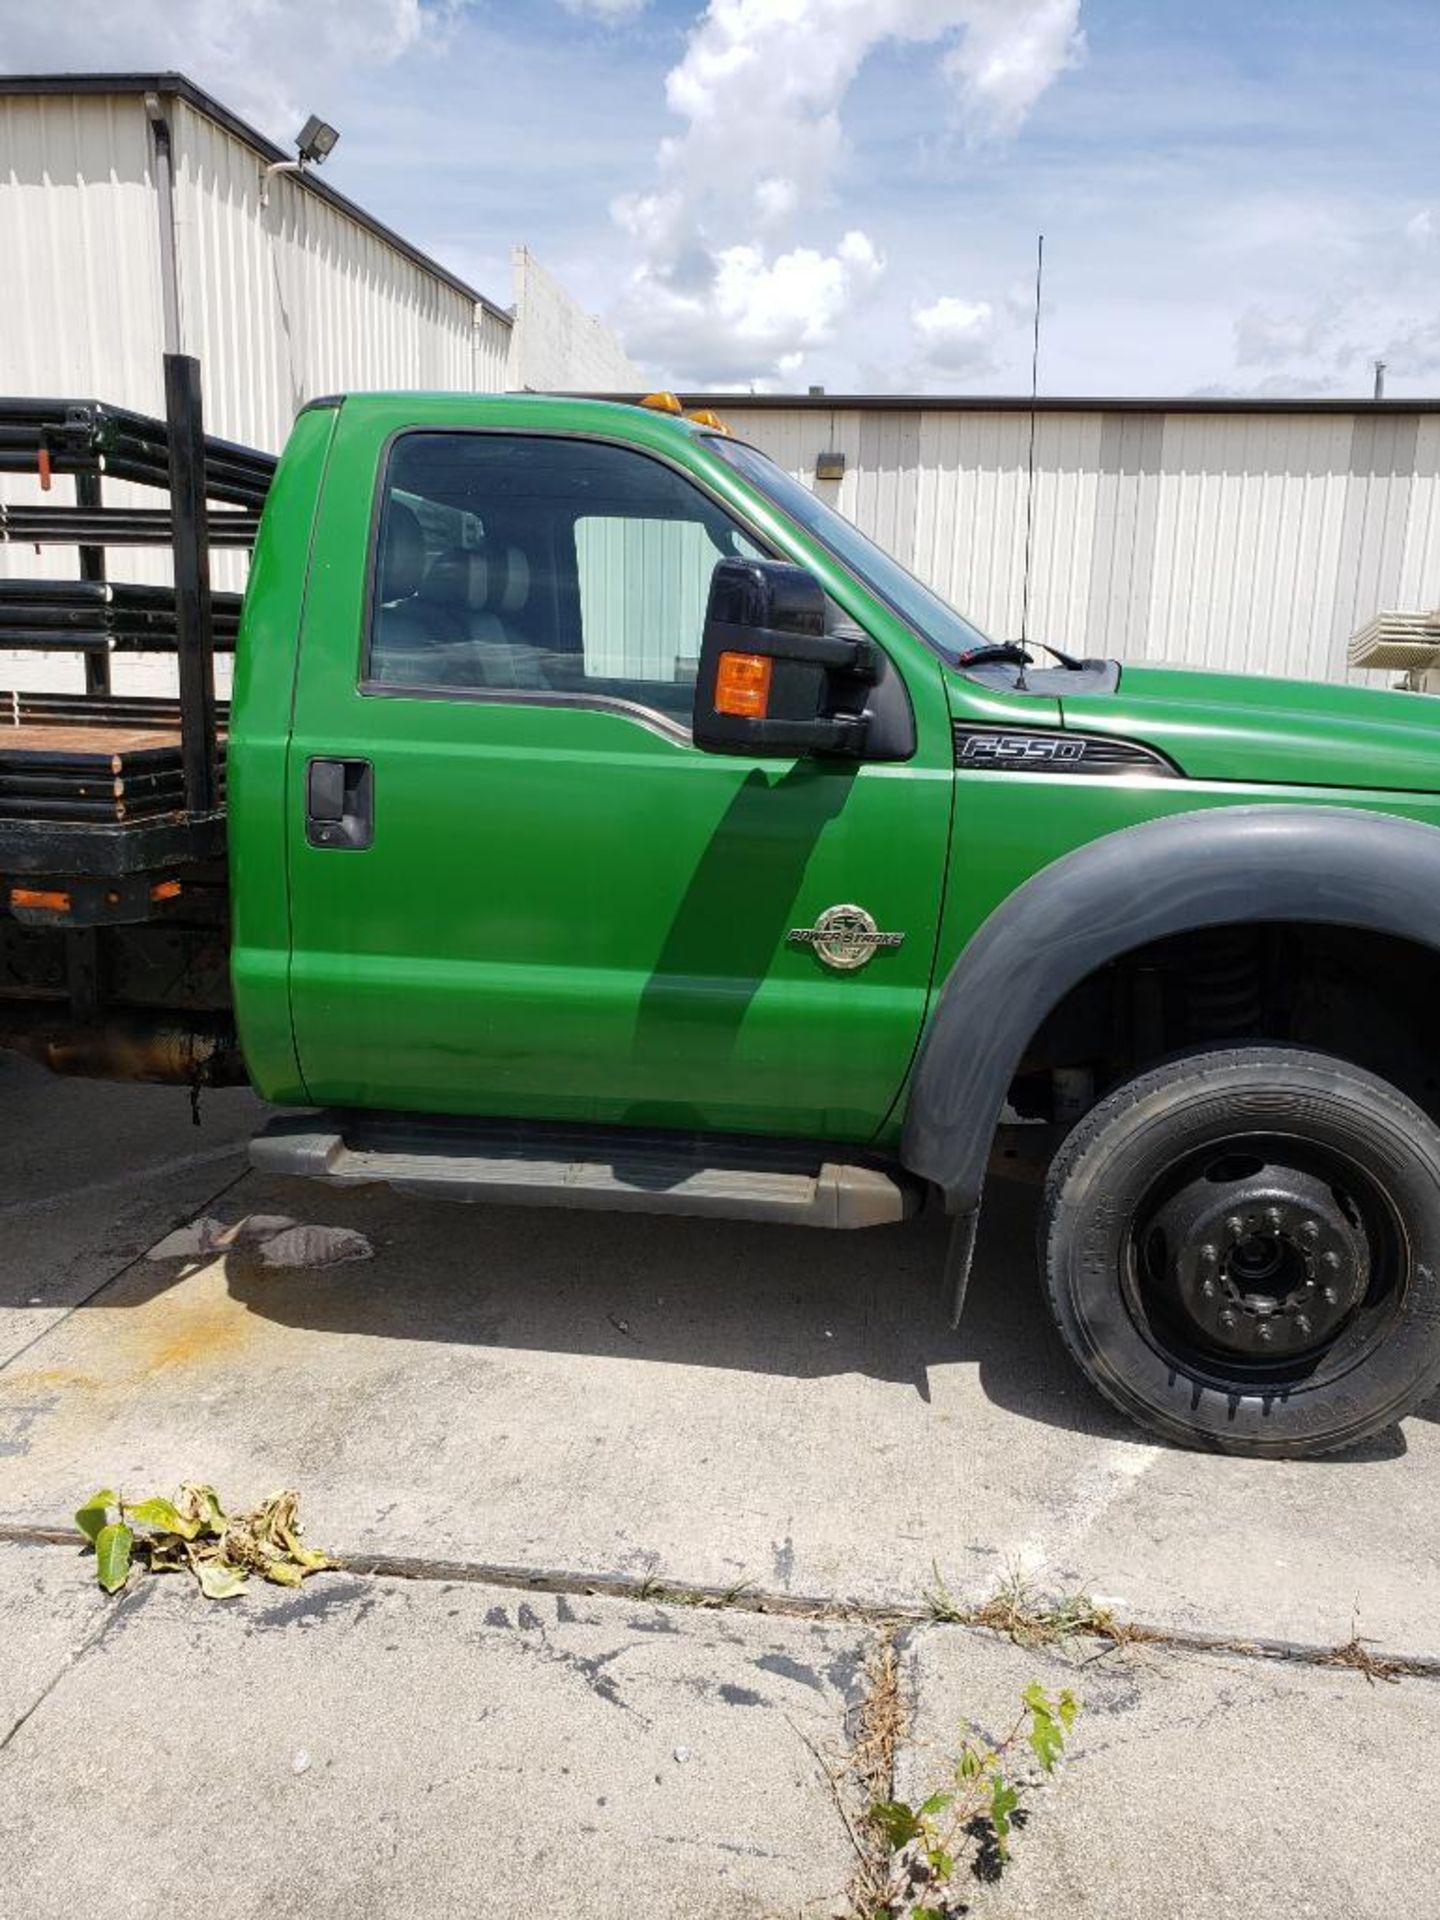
point(1263, 1261)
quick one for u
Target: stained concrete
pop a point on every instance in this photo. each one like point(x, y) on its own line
point(91, 1175)
point(701, 1402)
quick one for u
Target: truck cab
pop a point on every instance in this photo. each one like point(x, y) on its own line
point(548, 900)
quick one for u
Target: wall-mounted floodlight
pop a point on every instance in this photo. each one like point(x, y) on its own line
point(315, 140)
point(830, 465)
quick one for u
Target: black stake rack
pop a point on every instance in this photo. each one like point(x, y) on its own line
point(99, 785)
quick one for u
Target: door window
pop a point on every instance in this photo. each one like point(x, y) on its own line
point(545, 566)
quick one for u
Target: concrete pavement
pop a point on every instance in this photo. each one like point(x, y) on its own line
point(701, 1402)
point(577, 1400)
point(417, 1748)
point(1198, 1784)
point(438, 1748)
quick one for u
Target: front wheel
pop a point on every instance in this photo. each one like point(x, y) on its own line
point(1241, 1250)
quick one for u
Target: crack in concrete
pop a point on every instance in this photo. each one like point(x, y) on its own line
point(1358, 1656)
point(155, 1170)
point(128, 1603)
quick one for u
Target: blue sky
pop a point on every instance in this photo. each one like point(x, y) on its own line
point(1234, 198)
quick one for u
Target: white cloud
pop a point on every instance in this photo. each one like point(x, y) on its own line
point(1415, 352)
point(1264, 338)
point(761, 82)
point(1008, 56)
point(1333, 342)
point(607, 10)
point(954, 337)
point(1420, 229)
point(720, 289)
point(267, 59)
point(751, 312)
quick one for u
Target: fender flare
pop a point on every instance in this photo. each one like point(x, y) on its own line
point(1335, 866)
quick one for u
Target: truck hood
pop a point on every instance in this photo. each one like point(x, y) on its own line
point(1231, 726)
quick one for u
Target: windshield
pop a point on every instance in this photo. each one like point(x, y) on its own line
point(932, 618)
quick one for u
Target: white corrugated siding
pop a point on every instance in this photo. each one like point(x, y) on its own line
point(295, 299)
point(1420, 566)
point(493, 337)
point(78, 225)
point(279, 304)
point(643, 588)
point(1255, 542)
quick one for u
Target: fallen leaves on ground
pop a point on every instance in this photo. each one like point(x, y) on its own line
point(193, 1533)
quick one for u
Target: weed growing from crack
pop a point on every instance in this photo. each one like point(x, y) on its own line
point(914, 1863)
point(869, 1765)
point(1019, 1611)
point(918, 1860)
point(657, 1594)
point(941, 1603)
point(1023, 1614)
point(1356, 1653)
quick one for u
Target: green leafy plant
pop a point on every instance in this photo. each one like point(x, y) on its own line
point(969, 1822)
point(193, 1533)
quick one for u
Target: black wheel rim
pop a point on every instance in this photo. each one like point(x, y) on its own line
point(1264, 1260)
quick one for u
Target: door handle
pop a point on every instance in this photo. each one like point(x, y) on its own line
point(340, 803)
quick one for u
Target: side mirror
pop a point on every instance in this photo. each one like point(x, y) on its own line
point(770, 679)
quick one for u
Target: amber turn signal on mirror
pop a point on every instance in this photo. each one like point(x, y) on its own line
point(742, 685)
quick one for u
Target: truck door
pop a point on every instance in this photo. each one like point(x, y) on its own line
point(517, 888)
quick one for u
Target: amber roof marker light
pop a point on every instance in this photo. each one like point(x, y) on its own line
point(672, 403)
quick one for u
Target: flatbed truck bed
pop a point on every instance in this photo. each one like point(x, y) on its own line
point(113, 945)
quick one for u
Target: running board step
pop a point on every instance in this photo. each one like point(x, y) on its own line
point(620, 1171)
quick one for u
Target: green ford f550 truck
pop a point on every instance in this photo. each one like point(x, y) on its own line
point(611, 824)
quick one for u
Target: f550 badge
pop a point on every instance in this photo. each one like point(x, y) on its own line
point(1019, 749)
point(844, 938)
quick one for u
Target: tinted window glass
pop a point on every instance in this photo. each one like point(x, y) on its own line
point(520, 563)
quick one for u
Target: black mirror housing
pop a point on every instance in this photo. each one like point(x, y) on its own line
point(771, 680)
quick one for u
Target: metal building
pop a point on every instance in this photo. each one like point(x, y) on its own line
point(1249, 535)
point(138, 214)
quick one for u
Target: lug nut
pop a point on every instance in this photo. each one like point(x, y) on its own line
point(1331, 1260)
point(1329, 1295)
point(1273, 1217)
point(1235, 1226)
point(1227, 1318)
point(1302, 1323)
point(1265, 1331)
point(1309, 1230)
point(1207, 1287)
point(1209, 1255)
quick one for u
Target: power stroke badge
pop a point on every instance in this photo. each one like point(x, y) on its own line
point(844, 938)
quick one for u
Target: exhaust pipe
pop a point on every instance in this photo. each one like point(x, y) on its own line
point(151, 1049)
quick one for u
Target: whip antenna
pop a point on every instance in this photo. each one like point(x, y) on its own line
point(1030, 473)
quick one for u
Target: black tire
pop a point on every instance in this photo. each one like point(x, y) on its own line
point(1241, 1249)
